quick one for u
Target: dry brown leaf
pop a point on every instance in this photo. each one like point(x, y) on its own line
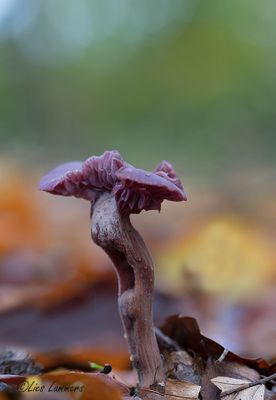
point(231, 370)
point(186, 333)
point(96, 386)
point(176, 390)
point(12, 379)
point(227, 385)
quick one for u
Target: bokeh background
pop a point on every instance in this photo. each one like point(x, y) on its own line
point(189, 81)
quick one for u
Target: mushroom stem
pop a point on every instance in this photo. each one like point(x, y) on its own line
point(114, 232)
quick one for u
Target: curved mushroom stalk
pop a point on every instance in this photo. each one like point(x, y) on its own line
point(116, 189)
point(126, 248)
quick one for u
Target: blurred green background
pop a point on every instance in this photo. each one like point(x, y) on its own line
point(185, 80)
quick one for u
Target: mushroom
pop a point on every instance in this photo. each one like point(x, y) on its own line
point(116, 189)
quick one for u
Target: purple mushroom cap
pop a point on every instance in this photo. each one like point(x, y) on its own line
point(135, 189)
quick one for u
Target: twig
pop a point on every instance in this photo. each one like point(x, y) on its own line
point(222, 356)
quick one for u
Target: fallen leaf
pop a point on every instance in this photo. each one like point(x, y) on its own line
point(185, 331)
point(174, 390)
point(208, 390)
point(242, 391)
point(95, 386)
point(181, 390)
point(12, 379)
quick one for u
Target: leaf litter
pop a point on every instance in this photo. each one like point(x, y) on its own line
point(192, 363)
